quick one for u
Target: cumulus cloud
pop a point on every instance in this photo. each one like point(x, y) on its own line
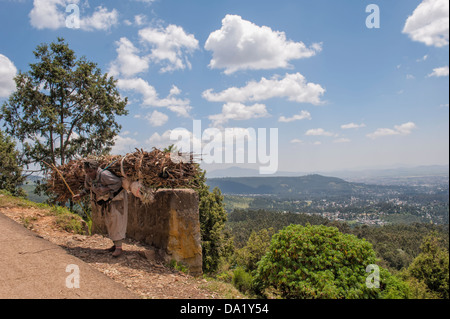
point(157, 118)
point(186, 140)
point(241, 45)
point(403, 129)
point(160, 140)
point(424, 58)
point(438, 72)
point(124, 144)
point(429, 23)
point(239, 112)
point(294, 87)
point(352, 126)
point(7, 73)
point(140, 19)
point(128, 62)
point(170, 46)
point(146, 1)
point(101, 19)
point(301, 116)
point(51, 14)
point(150, 97)
point(182, 138)
point(318, 132)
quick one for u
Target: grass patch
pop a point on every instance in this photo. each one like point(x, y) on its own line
point(178, 266)
point(64, 219)
point(71, 223)
point(237, 202)
point(224, 289)
point(28, 221)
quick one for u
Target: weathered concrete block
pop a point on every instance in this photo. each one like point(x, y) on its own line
point(170, 224)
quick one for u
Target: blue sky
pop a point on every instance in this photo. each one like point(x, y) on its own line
point(342, 95)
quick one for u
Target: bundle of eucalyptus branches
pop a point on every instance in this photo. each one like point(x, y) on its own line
point(154, 170)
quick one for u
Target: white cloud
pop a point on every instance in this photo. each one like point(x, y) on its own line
point(146, 1)
point(170, 46)
point(191, 142)
point(239, 112)
point(429, 23)
point(318, 132)
point(403, 129)
point(140, 19)
point(301, 116)
point(157, 118)
point(164, 140)
point(352, 126)
point(160, 140)
point(438, 72)
point(424, 58)
point(241, 45)
point(150, 96)
point(294, 87)
point(51, 14)
point(7, 73)
point(128, 62)
point(124, 144)
point(296, 141)
point(101, 19)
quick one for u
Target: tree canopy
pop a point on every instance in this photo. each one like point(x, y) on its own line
point(10, 171)
point(310, 262)
point(62, 107)
point(431, 266)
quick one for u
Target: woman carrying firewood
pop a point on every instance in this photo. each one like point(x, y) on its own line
point(109, 197)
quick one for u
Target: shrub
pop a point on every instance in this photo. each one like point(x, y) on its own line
point(256, 247)
point(320, 262)
point(242, 280)
point(432, 266)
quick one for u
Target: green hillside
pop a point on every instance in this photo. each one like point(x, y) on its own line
point(311, 185)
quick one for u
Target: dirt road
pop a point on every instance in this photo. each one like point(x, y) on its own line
point(33, 268)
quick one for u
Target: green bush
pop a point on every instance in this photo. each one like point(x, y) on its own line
point(320, 262)
point(242, 280)
point(11, 177)
point(256, 247)
point(225, 276)
point(392, 287)
point(431, 267)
